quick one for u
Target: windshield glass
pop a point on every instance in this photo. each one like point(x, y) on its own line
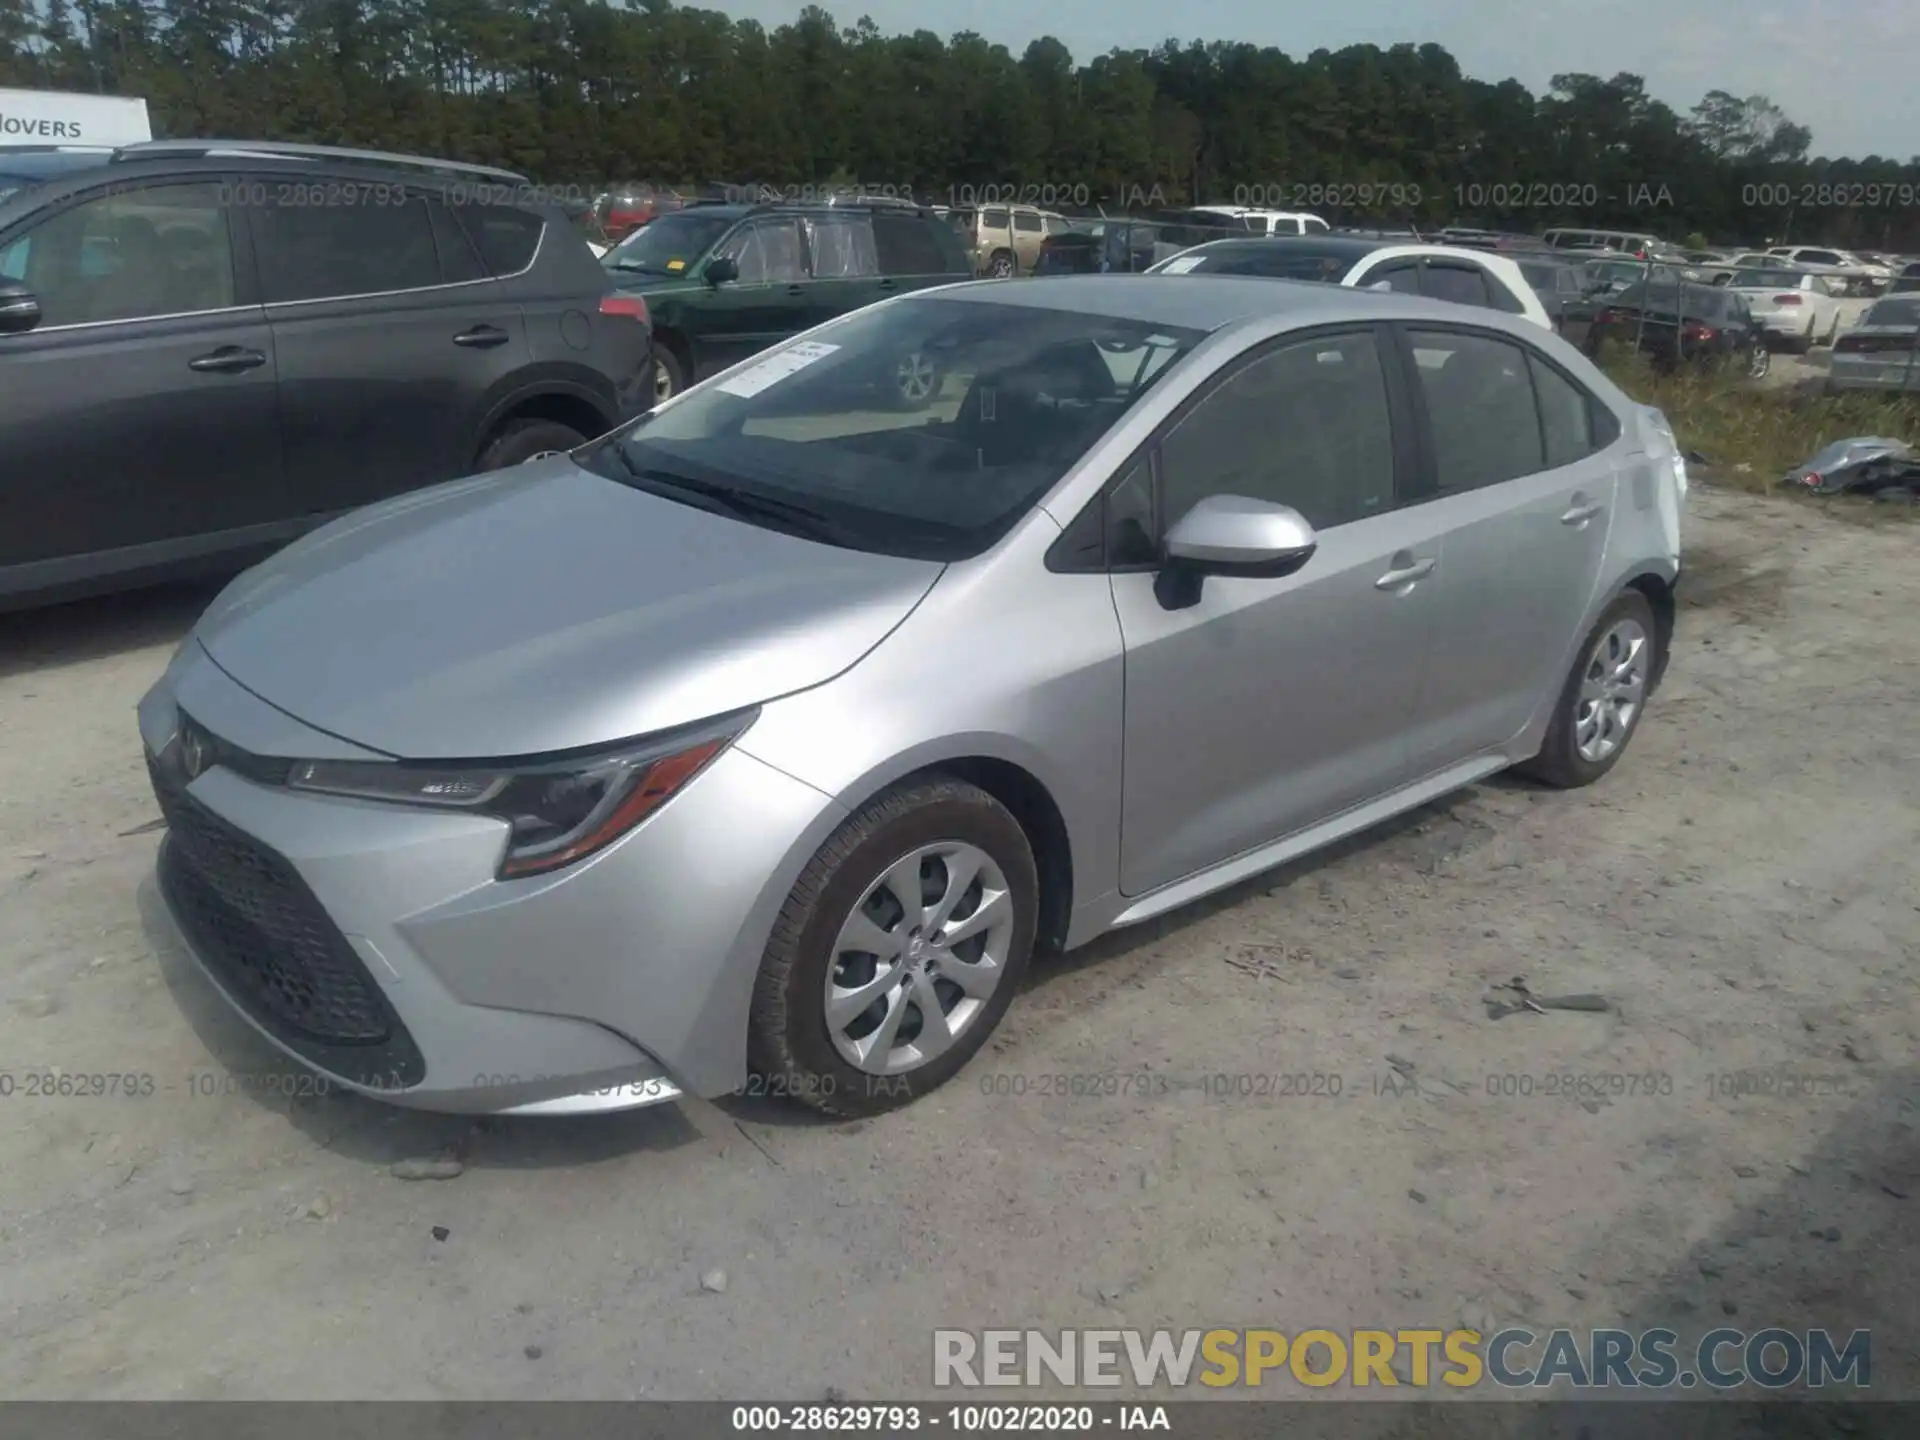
point(670, 244)
point(1275, 262)
point(1767, 279)
point(922, 428)
point(1894, 312)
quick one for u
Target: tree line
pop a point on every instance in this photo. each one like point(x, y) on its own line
point(579, 92)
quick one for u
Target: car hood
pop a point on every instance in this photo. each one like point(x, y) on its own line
point(545, 608)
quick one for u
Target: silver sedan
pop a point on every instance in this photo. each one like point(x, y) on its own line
point(777, 732)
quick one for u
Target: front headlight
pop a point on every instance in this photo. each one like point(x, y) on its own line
point(557, 811)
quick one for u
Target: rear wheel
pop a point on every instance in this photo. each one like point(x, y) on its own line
point(1603, 698)
point(669, 375)
point(898, 951)
point(1000, 267)
point(522, 440)
point(1759, 360)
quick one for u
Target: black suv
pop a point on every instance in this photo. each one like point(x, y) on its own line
point(726, 281)
point(206, 349)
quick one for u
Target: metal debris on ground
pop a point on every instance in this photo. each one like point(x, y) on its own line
point(1514, 997)
point(1874, 465)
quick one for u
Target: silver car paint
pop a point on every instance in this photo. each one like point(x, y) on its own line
point(641, 959)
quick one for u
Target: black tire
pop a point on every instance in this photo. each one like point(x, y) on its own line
point(669, 374)
point(1560, 763)
point(788, 1043)
point(519, 441)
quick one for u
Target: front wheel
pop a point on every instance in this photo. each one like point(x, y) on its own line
point(669, 375)
point(898, 951)
point(1603, 699)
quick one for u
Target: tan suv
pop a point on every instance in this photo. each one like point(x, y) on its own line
point(1005, 239)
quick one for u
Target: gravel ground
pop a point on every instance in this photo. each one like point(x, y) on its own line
point(1742, 888)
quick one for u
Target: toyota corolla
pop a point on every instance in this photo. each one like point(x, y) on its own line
point(773, 734)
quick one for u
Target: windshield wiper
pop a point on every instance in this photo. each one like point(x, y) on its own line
point(742, 504)
point(636, 267)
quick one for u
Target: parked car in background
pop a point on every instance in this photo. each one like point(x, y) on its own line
point(1907, 281)
point(1266, 222)
point(795, 731)
point(1794, 307)
point(626, 207)
point(1627, 242)
point(1004, 240)
point(723, 282)
point(1882, 352)
point(1705, 326)
point(1464, 277)
point(1855, 276)
point(209, 347)
point(24, 166)
point(1708, 267)
point(1567, 292)
point(1609, 275)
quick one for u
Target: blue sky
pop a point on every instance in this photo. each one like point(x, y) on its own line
point(1845, 68)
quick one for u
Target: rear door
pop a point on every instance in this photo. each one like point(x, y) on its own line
point(390, 331)
point(1520, 485)
point(843, 264)
point(139, 411)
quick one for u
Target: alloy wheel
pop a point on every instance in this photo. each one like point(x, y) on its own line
point(1001, 267)
point(662, 383)
point(1759, 361)
point(1612, 690)
point(917, 960)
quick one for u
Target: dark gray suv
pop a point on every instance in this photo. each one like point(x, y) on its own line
point(206, 349)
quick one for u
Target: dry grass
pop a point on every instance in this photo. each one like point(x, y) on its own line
point(1750, 436)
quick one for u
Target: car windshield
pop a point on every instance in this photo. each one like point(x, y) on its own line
point(1767, 279)
point(1894, 312)
point(668, 245)
point(923, 428)
point(1273, 261)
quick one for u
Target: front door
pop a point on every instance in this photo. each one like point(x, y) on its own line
point(1270, 705)
point(1523, 494)
point(765, 305)
point(139, 411)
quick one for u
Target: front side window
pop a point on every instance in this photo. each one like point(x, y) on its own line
point(769, 252)
point(811, 438)
point(316, 252)
point(908, 245)
point(1402, 278)
point(1305, 425)
point(1026, 222)
point(1480, 409)
point(128, 256)
point(993, 219)
point(841, 247)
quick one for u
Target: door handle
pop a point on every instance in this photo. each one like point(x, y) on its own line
point(229, 360)
point(1402, 576)
point(886, 285)
point(796, 289)
point(481, 337)
point(1581, 513)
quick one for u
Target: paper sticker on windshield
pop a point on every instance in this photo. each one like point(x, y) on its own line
point(676, 264)
point(777, 367)
point(1181, 264)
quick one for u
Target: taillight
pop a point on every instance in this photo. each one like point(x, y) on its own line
point(630, 307)
point(1694, 330)
point(1786, 299)
point(1849, 344)
point(1607, 317)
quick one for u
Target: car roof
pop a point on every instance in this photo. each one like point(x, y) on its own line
point(1350, 246)
point(1213, 302)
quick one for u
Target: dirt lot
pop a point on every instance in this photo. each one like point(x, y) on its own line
point(1743, 890)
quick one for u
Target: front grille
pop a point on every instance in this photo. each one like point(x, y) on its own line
point(260, 929)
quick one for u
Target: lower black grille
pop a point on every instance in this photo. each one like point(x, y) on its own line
point(257, 926)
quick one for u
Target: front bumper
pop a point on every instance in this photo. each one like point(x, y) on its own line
point(372, 943)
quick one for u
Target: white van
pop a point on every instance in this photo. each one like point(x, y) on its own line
point(55, 117)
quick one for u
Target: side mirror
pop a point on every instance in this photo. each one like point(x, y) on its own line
point(1231, 535)
point(19, 308)
point(722, 269)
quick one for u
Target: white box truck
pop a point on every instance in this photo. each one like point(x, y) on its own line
point(53, 117)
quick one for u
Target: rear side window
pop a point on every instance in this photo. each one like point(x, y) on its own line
point(993, 219)
point(1026, 222)
point(506, 237)
point(1566, 415)
point(317, 252)
point(1480, 409)
point(459, 261)
point(1460, 284)
point(842, 247)
point(907, 245)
